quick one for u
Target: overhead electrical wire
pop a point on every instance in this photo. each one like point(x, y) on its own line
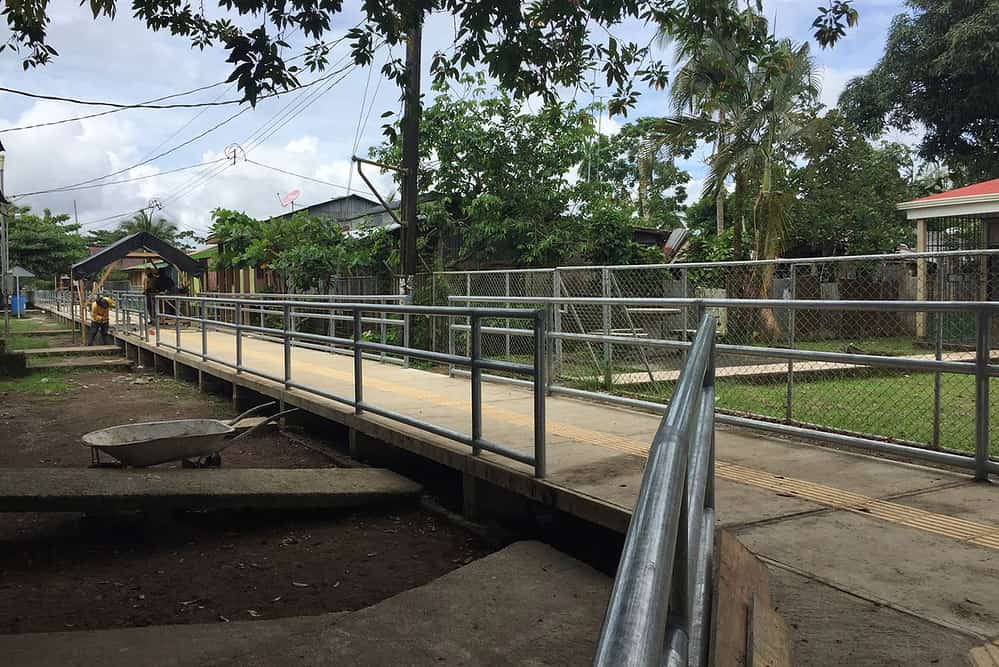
point(302, 176)
point(125, 180)
point(150, 104)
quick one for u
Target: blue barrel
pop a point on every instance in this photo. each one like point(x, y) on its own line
point(18, 304)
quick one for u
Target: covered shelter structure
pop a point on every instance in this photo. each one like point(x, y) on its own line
point(963, 219)
point(128, 246)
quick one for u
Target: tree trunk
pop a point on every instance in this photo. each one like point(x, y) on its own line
point(720, 196)
point(738, 215)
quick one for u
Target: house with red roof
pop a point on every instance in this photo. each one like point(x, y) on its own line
point(964, 218)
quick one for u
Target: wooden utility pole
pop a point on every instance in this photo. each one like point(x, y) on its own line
point(411, 150)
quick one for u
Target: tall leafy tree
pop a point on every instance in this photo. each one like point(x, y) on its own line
point(846, 191)
point(937, 73)
point(45, 244)
point(538, 47)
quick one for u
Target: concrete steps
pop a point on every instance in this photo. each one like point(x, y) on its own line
point(525, 604)
point(46, 332)
point(108, 489)
point(41, 363)
point(85, 350)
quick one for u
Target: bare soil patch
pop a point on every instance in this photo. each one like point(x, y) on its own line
point(70, 571)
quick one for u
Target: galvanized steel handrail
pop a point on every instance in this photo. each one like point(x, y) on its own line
point(287, 335)
point(660, 602)
point(782, 261)
point(793, 304)
point(981, 367)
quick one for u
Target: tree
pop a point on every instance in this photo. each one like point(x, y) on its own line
point(307, 252)
point(846, 193)
point(638, 177)
point(44, 244)
point(516, 185)
point(938, 73)
point(144, 221)
point(539, 47)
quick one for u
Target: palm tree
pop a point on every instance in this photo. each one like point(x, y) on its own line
point(779, 109)
point(143, 221)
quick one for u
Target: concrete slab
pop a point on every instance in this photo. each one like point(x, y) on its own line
point(99, 490)
point(162, 645)
point(89, 350)
point(972, 500)
point(78, 362)
point(938, 578)
point(526, 604)
point(737, 504)
point(47, 332)
point(858, 473)
point(830, 627)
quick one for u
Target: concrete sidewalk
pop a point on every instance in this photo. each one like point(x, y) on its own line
point(527, 604)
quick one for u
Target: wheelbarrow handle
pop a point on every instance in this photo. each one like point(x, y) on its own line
point(234, 421)
point(263, 423)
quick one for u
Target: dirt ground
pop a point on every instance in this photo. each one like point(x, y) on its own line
point(69, 571)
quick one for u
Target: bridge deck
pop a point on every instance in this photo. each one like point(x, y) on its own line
point(900, 550)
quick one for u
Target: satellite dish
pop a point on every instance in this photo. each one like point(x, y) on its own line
point(290, 198)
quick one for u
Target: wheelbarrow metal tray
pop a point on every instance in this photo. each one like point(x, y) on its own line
point(150, 443)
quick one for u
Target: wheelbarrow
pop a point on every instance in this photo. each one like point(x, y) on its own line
point(195, 442)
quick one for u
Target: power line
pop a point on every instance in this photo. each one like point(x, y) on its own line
point(302, 176)
point(125, 180)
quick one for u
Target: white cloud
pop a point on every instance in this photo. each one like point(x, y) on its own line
point(306, 144)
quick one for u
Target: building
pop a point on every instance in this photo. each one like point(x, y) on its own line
point(964, 218)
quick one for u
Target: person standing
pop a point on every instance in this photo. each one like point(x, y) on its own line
point(100, 312)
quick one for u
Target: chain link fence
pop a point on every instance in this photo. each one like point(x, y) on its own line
point(633, 350)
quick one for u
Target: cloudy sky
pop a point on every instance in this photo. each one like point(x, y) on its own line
point(305, 132)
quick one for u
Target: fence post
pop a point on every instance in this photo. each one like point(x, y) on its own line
point(793, 292)
point(982, 395)
point(405, 329)
point(204, 330)
point(286, 317)
point(608, 354)
point(938, 354)
point(475, 353)
point(557, 322)
point(238, 316)
point(685, 293)
point(506, 285)
point(358, 364)
point(540, 331)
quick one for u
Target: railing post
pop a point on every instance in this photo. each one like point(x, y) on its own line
point(156, 319)
point(450, 343)
point(176, 320)
point(608, 354)
point(556, 364)
point(540, 393)
point(506, 285)
point(982, 395)
point(238, 316)
point(475, 354)
point(204, 329)
point(286, 317)
point(358, 364)
point(793, 293)
point(405, 329)
point(685, 293)
point(938, 355)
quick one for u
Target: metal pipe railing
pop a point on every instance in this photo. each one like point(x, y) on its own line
point(287, 335)
point(782, 261)
point(980, 365)
point(658, 605)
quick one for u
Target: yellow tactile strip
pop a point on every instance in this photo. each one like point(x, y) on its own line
point(985, 656)
point(972, 532)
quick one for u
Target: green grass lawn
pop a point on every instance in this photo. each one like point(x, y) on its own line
point(50, 383)
point(16, 342)
point(889, 346)
point(896, 405)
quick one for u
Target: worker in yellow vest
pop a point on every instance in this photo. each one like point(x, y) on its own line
point(100, 312)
